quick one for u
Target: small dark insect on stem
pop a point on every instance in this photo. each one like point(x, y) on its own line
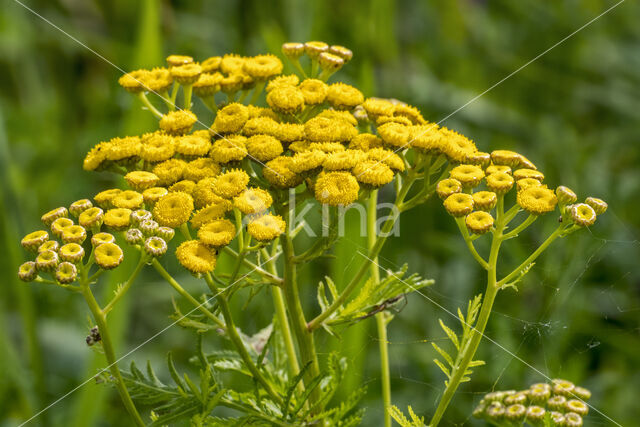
point(383, 306)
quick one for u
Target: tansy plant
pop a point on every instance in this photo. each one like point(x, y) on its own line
point(232, 183)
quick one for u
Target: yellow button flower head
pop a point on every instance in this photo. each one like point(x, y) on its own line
point(49, 245)
point(59, 225)
point(377, 107)
point(95, 157)
point(479, 158)
point(431, 139)
point(217, 233)
point(166, 233)
point(229, 149)
point(500, 182)
point(528, 174)
point(28, 271)
point(266, 227)
point(326, 147)
point(54, 214)
point(140, 215)
point(71, 252)
point(79, 206)
point(510, 158)
point(395, 134)
point(288, 80)
point(66, 273)
point(373, 173)
point(192, 145)
point(148, 227)
point(468, 175)
point(253, 201)
point(598, 205)
point(447, 187)
point(523, 183)
point(157, 147)
point(582, 214)
point(232, 64)
point(323, 129)
point(278, 172)
point(211, 212)
point(207, 84)
point(387, 157)
point(484, 200)
point(498, 168)
point(365, 142)
point(289, 132)
point(314, 91)
point(100, 238)
point(479, 222)
point(537, 200)
point(293, 50)
point(264, 147)
point(108, 255)
point(177, 60)
point(299, 146)
point(47, 261)
point(307, 161)
point(380, 120)
point(342, 52)
point(230, 183)
point(577, 406)
point(74, 234)
point(141, 180)
point(158, 80)
point(410, 112)
point(186, 74)
point(117, 219)
point(343, 160)
point(231, 84)
point(134, 81)
point(178, 122)
point(459, 204)
point(342, 96)
point(211, 64)
point(286, 99)
point(196, 257)
point(92, 218)
point(337, 188)
point(128, 199)
point(260, 125)
point(173, 210)
point(34, 240)
point(134, 236)
point(262, 67)
point(231, 118)
point(153, 194)
point(255, 111)
point(169, 171)
point(201, 168)
point(314, 48)
point(457, 147)
point(155, 246)
point(346, 116)
point(184, 186)
point(123, 148)
point(515, 412)
point(203, 192)
point(329, 61)
point(565, 195)
point(104, 198)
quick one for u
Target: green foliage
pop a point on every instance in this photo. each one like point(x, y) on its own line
point(401, 419)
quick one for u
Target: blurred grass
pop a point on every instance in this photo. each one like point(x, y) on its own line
point(574, 112)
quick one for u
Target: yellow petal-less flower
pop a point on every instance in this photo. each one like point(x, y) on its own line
point(123, 148)
point(214, 210)
point(523, 183)
point(343, 160)
point(230, 149)
point(253, 201)
point(196, 257)
point(447, 187)
point(71, 252)
point(230, 183)
point(565, 195)
point(378, 107)
point(498, 168)
point(337, 188)
point(232, 64)
point(28, 271)
point(66, 273)
point(173, 210)
point(342, 96)
point(54, 214)
point(200, 169)
point(49, 245)
point(184, 186)
point(192, 145)
point(583, 214)
point(153, 194)
point(307, 161)
point(59, 225)
point(484, 200)
point(459, 204)
point(100, 238)
point(479, 222)
point(170, 171)
point(177, 60)
point(537, 200)
point(186, 74)
point(117, 219)
point(264, 147)
point(266, 227)
point(286, 99)
point(598, 205)
point(92, 218)
point(499, 182)
point(395, 134)
point(528, 173)
point(373, 173)
point(128, 199)
point(329, 61)
point(47, 261)
point(34, 240)
point(217, 233)
point(231, 118)
point(278, 172)
point(365, 142)
point(74, 234)
point(211, 64)
point(108, 255)
point(178, 122)
point(314, 91)
point(387, 157)
point(263, 67)
point(479, 158)
point(79, 206)
point(133, 81)
point(468, 175)
point(410, 112)
point(288, 80)
point(104, 198)
point(293, 50)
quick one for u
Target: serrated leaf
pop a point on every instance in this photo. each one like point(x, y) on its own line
point(452, 335)
point(475, 363)
point(442, 367)
point(444, 354)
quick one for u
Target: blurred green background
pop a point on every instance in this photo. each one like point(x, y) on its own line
point(575, 112)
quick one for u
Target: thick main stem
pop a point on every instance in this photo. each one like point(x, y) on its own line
point(304, 337)
point(381, 322)
point(109, 353)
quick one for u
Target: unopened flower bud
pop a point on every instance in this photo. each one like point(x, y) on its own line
point(47, 261)
point(166, 233)
point(28, 271)
point(92, 218)
point(577, 406)
point(80, 206)
point(330, 62)
point(557, 403)
point(74, 234)
point(50, 245)
point(584, 216)
point(134, 236)
point(342, 52)
point(108, 255)
point(155, 246)
point(565, 195)
point(66, 273)
point(54, 214)
point(33, 241)
point(71, 252)
point(314, 49)
point(571, 419)
point(515, 412)
point(293, 50)
point(59, 225)
point(100, 238)
point(137, 217)
point(598, 205)
point(148, 227)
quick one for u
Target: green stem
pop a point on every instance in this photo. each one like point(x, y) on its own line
point(467, 239)
point(143, 97)
point(109, 353)
point(381, 321)
point(373, 253)
point(256, 268)
point(122, 290)
point(187, 91)
point(524, 224)
point(296, 64)
point(257, 91)
point(304, 337)
point(175, 285)
point(174, 95)
point(234, 336)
